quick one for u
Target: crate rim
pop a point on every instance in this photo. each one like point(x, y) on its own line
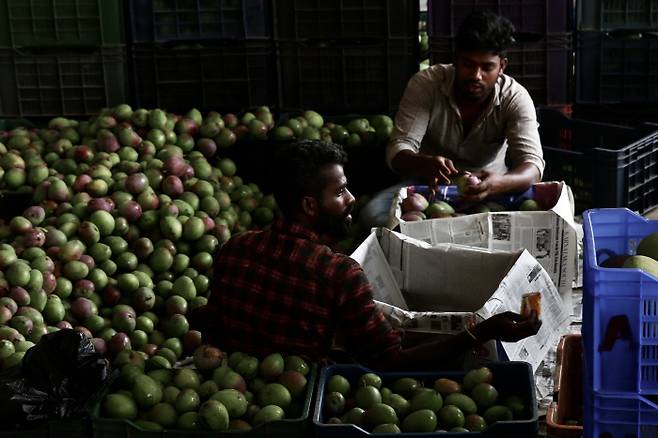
point(589, 241)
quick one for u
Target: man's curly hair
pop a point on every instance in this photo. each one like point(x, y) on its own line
point(485, 31)
point(297, 171)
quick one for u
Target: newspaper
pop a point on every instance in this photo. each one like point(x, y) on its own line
point(552, 236)
point(421, 280)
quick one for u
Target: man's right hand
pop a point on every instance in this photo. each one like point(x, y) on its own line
point(436, 168)
point(507, 327)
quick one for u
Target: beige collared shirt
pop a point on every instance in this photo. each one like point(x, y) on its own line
point(429, 122)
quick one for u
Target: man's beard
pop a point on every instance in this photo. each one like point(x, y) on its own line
point(337, 227)
point(467, 94)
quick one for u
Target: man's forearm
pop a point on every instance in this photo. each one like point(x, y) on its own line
point(519, 179)
point(405, 164)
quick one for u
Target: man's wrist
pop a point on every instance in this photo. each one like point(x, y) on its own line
point(480, 335)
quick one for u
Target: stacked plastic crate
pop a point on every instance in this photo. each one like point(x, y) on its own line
point(60, 58)
point(212, 55)
point(617, 52)
point(620, 336)
point(541, 57)
point(342, 57)
point(605, 164)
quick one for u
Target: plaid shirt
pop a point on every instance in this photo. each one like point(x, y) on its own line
point(283, 290)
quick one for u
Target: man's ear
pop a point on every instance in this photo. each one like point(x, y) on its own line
point(503, 65)
point(310, 206)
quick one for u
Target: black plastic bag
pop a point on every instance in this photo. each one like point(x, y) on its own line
point(60, 378)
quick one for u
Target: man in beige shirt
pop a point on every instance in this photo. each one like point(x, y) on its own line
point(465, 117)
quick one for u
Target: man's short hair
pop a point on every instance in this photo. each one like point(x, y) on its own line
point(296, 171)
point(485, 31)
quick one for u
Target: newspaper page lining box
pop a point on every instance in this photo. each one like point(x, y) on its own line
point(422, 281)
point(550, 236)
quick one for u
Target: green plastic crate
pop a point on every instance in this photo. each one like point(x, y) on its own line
point(61, 82)
point(288, 428)
point(60, 23)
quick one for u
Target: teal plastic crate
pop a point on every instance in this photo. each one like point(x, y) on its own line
point(287, 428)
point(508, 378)
point(60, 23)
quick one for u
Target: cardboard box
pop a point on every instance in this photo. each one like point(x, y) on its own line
point(550, 236)
point(419, 282)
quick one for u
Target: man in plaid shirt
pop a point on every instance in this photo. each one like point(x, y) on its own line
point(285, 290)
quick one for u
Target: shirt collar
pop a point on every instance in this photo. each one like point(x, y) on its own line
point(297, 229)
point(448, 83)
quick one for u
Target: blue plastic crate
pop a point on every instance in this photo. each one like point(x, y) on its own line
point(508, 377)
point(620, 306)
point(620, 416)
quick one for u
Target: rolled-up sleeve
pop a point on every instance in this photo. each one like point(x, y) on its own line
point(524, 145)
point(413, 116)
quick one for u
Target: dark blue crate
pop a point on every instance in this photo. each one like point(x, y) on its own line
point(616, 14)
point(620, 306)
point(340, 76)
point(160, 21)
point(605, 165)
point(542, 65)
point(508, 378)
point(300, 20)
point(616, 68)
point(528, 16)
point(620, 416)
point(222, 76)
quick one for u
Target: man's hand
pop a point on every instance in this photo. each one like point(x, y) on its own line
point(490, 184)
point(507, 327)
point(436, 169)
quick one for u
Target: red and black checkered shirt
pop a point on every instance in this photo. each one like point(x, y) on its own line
point(283, 290)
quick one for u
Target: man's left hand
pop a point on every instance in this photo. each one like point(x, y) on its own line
point(490, 184)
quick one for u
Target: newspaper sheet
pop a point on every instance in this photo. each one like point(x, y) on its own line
point(436, 279)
